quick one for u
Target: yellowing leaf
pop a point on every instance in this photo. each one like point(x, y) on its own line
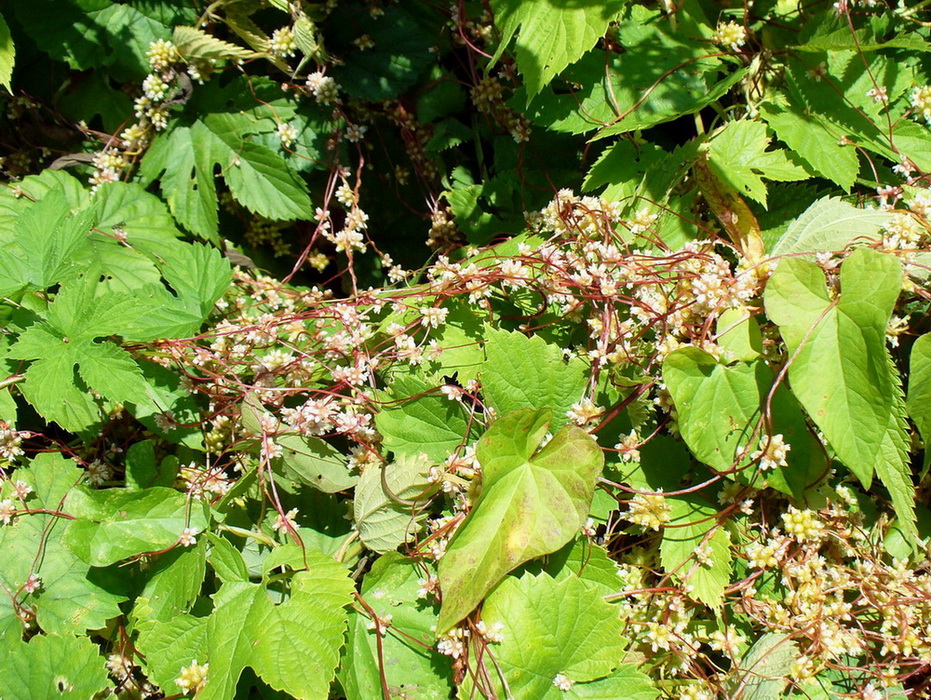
point(534, 500)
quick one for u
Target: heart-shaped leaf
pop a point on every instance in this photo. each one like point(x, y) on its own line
point(534, 500)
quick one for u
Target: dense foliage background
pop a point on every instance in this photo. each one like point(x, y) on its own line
point(507, 349)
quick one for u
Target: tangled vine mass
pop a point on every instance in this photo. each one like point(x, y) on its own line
point(507, 349)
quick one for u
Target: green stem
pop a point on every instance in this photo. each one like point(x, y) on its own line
point(258, 536)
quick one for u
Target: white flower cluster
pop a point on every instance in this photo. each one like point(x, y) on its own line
point(772, 452)
point(10, 442)
point(108, 165)
point(324, 89)
point(282, 44)
point(920, 99)
point(192, 677)
point(730, 34)
point(649, 510)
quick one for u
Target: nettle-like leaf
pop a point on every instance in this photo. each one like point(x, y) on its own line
point(7, 54)
point(812, 140)
point(830, 224)
point(551, 35)
point(66, 340)
point(693, 524)
point(841, 371)
point(585, 560)
point(183, 160)
point(534, 500)
point(918, 402)
point(52, 666)
point(737, 154)
point(169, 645)
point(100, 33)
point(406, 656)
point(553, 628)
point(196, 44)
point(527, 372)
point(389, 502)
point(293, 646)
point(174, 580)
point(40, 249)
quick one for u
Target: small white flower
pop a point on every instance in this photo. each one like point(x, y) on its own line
point(22, 490)
point(282, 44)
point(285, 522)
point(188, 537)
point(563, 682)
point(7, 511)
point(287, 134)
point(730, 34)
point(192, 677)
point(772, 453)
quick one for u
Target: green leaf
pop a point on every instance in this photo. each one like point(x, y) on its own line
point(830, 224)
point(168, 394)
point(552, 35)
point(96, 33)
point(46, 237)
point(7, 55)
point(718, 404)
point(196, 44)
point(552, 627)
point(184, 158)
point(314, 462)
point(52, 666)
point(50, 386)
point(737, 154)
point(169, 646)
point(111, 371)
point(141, 467)
point(764, 670)
point(534, 500)
point(411, 666)
point(69, 599)
point(294, 646)
point(199, 275)
point(174, 581)
point(694, 524)
point(625, 682)
point(841, 371)
point(814, 141)
point(721, 408)
point(383, 522)
point(430, 424)
point(671, 76)
point(522, 372)
point(119, 523)
point(739, 334)
point(585, 560)
point(226, 560)
point(918, 402)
